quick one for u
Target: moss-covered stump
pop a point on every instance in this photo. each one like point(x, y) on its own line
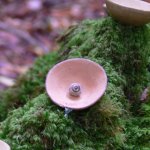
point(29, 120)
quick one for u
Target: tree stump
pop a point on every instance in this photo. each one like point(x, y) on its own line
point(29, 120)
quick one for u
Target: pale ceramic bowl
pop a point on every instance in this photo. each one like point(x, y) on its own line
point(89, 75)
point(130, 12)
point(4, 146)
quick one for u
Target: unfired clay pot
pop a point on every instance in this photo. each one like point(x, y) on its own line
point(4, 146)
point(131, 12)
point(76, 83)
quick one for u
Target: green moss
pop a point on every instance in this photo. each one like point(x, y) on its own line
point(41, 125)
point(113, 122)
point(138, 129)
point(127, 48)
point(28, 86)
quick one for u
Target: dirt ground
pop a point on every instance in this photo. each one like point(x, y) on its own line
point(29, 28)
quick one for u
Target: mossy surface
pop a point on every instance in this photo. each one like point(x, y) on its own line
point(118, 121)
point(28, 86)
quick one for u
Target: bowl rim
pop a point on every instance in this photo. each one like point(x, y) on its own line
point(131, 8)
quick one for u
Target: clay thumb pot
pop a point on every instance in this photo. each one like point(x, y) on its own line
point(4, 146)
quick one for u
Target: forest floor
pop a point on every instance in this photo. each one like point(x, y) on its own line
point(29, 28)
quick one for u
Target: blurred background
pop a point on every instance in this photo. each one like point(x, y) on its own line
point(29, 28)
